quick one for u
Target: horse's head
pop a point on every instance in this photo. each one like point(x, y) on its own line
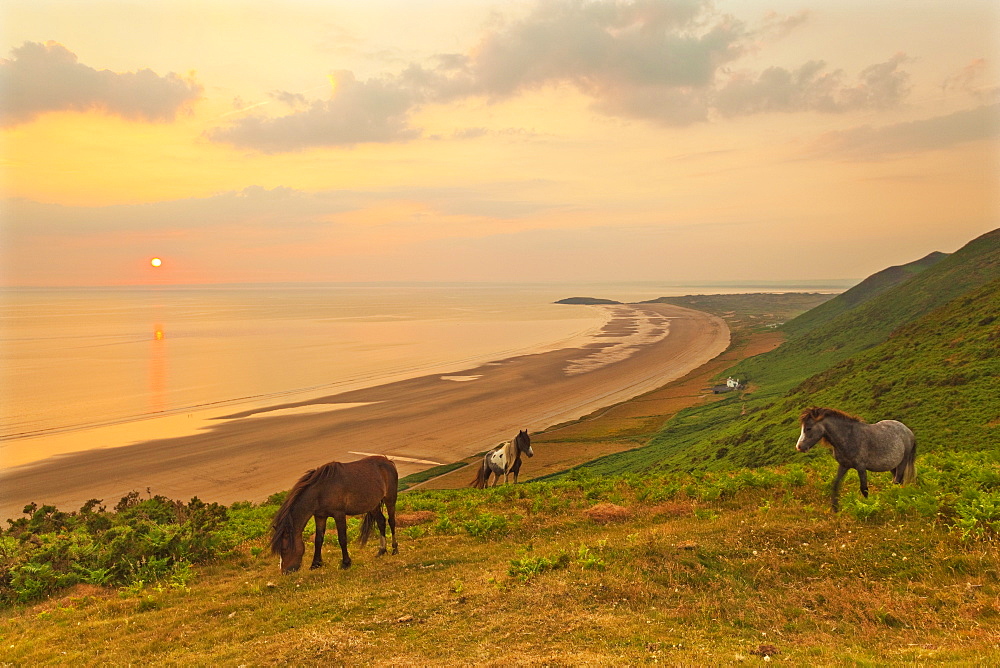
point(813, 429)
point(289, 548)
point(524, 442)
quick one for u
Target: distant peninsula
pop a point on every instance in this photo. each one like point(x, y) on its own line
point(589, 301)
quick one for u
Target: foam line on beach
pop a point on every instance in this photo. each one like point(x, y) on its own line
point(395, 458)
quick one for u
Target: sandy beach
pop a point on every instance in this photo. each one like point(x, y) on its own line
point(420, 422)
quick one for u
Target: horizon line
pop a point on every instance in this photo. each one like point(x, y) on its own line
point(800, 282)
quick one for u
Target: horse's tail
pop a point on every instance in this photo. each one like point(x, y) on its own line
point(368, 523)
point(910, 470)
point(482, 474)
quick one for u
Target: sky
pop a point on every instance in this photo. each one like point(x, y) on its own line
point(447, 140)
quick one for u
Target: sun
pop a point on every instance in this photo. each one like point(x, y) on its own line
point(156, 262)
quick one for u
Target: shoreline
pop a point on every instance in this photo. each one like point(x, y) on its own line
point(436, 418)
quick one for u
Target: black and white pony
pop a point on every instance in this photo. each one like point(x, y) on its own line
point(503, 460)
point(884, 446)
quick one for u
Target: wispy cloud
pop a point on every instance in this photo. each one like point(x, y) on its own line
point(812, 87)
point(969, 80)
point(931, 134)
point(41, 78)
point(359, 112)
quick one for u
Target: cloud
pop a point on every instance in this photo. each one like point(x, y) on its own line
point(651, 59)
point(279, 210)
point(968, 80)
point(665, 61)
point(812, 88)
point(293, 100)
point(40, 78)
point(938, 133)
point(776, 26)
point(606, 45)
point(358, 112)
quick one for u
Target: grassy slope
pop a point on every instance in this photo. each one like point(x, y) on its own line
point(755, 428)
point(688, 572)
point(869, 288)
point(936, 374)
point(871, 323)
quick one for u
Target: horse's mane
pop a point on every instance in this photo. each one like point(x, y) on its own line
point(281, 525)
point(820, 413)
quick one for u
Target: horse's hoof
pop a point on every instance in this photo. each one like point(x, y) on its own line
point(315, 565)
point(382, 552)
point(395, 549)
point(344, 565)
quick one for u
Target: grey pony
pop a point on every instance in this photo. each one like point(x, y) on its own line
point(884, 446)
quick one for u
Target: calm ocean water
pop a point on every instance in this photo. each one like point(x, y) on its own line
point(74, 359)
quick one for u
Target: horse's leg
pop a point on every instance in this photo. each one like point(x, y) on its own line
point(835, 494)
point(863, 477)
point(341, 521)
point(390, 510)
point(380, 522)
point(899, 473)
point(320, 532)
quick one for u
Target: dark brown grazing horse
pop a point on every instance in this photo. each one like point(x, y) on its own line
point(884, 446)
point(336, 490)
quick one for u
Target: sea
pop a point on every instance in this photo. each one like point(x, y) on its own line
point(84, 368)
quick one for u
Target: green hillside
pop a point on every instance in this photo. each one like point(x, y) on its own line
point(867, 289)
point(872, 322)
point(935, 372)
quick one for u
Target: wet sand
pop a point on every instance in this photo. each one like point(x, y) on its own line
point(419, 422)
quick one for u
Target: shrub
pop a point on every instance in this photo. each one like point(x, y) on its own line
point(487, 526)
point(141, 540)
point(529, 567)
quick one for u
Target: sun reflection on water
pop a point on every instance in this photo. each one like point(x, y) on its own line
point(158, 371)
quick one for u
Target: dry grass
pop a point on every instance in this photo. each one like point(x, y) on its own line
point(414, 518)
point(767, 573)
point(605, 513)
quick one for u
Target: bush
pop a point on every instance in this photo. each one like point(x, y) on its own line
point(141, 540)
point(487, 526)
point(529, 567)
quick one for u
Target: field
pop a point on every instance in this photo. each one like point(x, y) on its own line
point(717, 569)
point(703, 538)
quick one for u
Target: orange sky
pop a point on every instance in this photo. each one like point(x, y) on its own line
point(472, 141)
